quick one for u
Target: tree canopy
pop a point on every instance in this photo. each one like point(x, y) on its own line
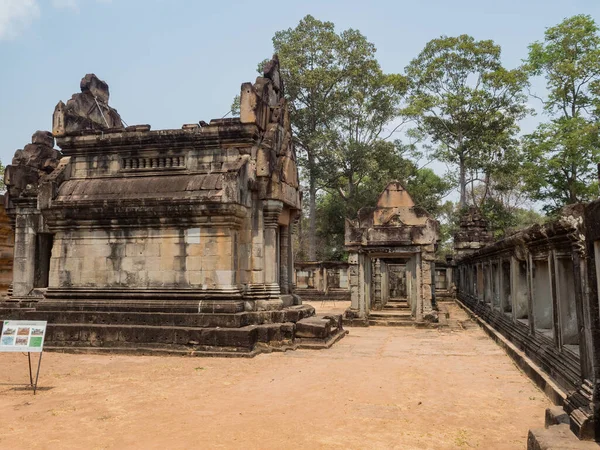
point(457, 104)
point(561, 154)
point(466, 105)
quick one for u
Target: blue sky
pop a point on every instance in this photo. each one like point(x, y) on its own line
point(170, 62)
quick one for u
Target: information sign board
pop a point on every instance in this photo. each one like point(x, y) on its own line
point(22, 336)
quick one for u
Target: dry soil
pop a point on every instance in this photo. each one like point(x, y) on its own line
point(377, 388)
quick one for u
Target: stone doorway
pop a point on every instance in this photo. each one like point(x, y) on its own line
point(397, 281)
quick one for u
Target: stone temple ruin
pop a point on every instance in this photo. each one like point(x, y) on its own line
point(391, 253)
point(176, 240)
point(180, 241)
point(536, 293)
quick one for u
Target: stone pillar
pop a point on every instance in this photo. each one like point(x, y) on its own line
point(271, 211)
point(376, 279)
point(418, 278)
point(432, 279)
point(284, 273)
point(26, 227)
point(291, 270)
point(353, 281)
point(385, 285)
point(258, 244)
point(365, 277)
point(409, 274)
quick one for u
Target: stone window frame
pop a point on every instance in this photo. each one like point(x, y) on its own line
point(544, 259)
point(570, 303)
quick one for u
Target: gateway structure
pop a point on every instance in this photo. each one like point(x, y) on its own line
point(392, 261)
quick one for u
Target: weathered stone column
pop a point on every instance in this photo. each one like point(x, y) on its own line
point(26, 228)
point(271, 211)
point(376, 280)
point(291, 270)
point(284, 259)
point(385, 284)
point(366, 275)
point(353, 281)
point(317, 279)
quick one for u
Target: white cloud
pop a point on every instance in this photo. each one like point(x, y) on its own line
point(16, 15)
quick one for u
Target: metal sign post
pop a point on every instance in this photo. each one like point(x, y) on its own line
point(24, 336)
point(37, 374)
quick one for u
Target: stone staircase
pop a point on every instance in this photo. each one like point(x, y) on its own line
point(156, 329)
point(395, 313)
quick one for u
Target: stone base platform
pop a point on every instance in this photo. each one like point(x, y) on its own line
point(557, 437)
point(120, 327)
point(557, 434)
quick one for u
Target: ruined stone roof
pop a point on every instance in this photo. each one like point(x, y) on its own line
point(102, 161)
point(394, 221)
point(567, 227)
point(199, 186)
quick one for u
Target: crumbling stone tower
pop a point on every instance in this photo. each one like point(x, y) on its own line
point(473, 233)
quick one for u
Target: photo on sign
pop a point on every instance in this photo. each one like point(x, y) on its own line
point(23, 332)
point(35, 342)
point(37, 331)
point(9, 331)
point(21, 340)
point(7, 340)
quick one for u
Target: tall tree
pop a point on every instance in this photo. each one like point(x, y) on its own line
point(319, 66)
point(562, 153)
point(466, 104)
point(369, 103)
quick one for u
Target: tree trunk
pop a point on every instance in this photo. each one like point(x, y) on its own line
point(462, 183)
point(312, 210)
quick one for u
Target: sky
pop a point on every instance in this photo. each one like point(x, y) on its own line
point(171, 62)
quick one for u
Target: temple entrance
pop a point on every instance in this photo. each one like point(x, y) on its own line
point(43, 253)
point(397, 281)
point(392, 261)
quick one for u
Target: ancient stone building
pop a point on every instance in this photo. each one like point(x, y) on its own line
point(126, 222)
point(536, 293)
point(472, 234)
point(322, 280)
point(392, 253)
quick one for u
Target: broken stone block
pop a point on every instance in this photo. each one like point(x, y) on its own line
point(88, 110)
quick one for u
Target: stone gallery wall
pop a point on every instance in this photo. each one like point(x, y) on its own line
point(538, 289)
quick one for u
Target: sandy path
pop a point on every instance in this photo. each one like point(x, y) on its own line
point(377, 388)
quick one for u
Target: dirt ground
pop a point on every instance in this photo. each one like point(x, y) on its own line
point(377, 388)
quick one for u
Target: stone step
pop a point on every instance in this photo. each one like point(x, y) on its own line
point(313, 331)
point(396, 307)
point(212, 334)
point(93, 335)
point(390, 314)
point(198, 320)
point(391, 322)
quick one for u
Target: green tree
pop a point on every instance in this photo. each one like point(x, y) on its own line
point(320, 69)
point(466, 105)
point(561, 155)
point(357, 145)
